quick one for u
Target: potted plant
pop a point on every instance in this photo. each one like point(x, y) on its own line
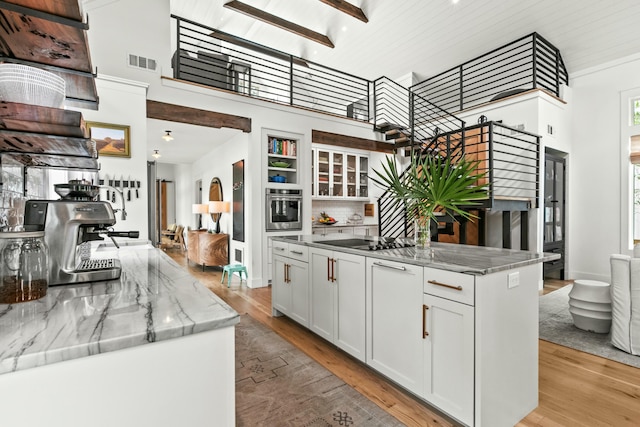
point(431, 186)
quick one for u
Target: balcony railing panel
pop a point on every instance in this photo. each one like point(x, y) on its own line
point(211, 57)
point(528, 63)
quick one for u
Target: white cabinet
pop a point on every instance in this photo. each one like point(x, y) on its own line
point(339, 174)
point(449, 356)
point(394, 315)
point(290, 285)
point(338, 299)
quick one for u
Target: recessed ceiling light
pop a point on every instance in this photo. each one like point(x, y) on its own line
point(344, 28)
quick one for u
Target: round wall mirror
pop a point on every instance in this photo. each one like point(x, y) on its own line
point(215, 194)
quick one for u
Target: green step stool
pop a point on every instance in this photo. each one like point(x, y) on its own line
point(233, 268)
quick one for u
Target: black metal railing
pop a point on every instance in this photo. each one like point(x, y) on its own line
point(530, 62)
point(511, 159)
point(413, 116)
point(211, 57)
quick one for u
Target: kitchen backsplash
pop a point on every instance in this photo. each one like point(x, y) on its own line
point(12, 196)
point(340, 210)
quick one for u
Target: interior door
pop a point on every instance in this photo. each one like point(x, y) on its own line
point(554, 212)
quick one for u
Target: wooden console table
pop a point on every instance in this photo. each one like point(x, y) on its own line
point(207, 248)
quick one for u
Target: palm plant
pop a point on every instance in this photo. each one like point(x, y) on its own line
point(432, 184)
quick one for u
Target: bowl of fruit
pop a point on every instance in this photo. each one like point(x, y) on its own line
point(326, 219)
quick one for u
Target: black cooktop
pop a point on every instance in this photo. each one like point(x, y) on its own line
point(371, 243)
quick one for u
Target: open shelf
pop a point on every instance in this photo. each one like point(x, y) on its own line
point(52, 36)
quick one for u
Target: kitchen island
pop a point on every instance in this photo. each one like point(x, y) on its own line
point(154, 347)
point(457, 327)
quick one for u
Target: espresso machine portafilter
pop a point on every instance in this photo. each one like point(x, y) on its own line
point(68, 227)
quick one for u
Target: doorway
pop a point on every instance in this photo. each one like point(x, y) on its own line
point(554, 213)
point(198, 199)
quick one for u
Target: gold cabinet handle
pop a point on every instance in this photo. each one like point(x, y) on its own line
point(424, 321)
point(333, 269)
point(296, 252)
point(433, 282)
point(286, 279)
point(288, 273)
point(278, 249)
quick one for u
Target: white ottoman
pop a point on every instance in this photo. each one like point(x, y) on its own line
point(590, 305)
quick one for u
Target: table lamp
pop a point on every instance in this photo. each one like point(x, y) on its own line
point(218, 208)
point(198, 208)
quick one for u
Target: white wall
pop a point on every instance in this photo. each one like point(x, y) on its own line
point(123, 102)
point(595, 191)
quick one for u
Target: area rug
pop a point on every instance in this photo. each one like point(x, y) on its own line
point(278, 385)
point(556, 326)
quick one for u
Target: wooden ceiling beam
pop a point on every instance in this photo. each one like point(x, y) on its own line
point(338, 140)
point(276, 21)
point(258, 48)
point(347, 8)
point(194, 116)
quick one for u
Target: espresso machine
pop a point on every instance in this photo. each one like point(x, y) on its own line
point(69, 225)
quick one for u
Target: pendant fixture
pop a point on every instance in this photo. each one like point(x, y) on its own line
point(167, 136)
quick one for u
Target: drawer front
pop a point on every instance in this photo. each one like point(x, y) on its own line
point(280, 248)
point(450, 285)
point(291, 250)
point(299, 252)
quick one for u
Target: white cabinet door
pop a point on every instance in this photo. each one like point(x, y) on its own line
point(350, 302)
point(338, 299)
point(449, 356)
point(280, 289)
point(298, 275)
point(322, 300)
point(394, 315)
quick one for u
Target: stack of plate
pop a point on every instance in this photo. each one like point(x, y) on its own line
point(30, 85)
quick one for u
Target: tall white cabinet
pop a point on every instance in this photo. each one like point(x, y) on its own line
point(338, 299)
point(290, 283)
point(394, 316)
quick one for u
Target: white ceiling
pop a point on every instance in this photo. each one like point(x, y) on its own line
point(189, 143)
point(425, 37)
point(430, 36)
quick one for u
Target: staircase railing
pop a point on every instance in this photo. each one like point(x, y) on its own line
point(414, 118)
point(509, 156)
point(530, 62)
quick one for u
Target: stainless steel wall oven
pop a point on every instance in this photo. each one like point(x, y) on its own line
point(283, 209)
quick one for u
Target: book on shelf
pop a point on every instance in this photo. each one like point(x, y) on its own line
point(283, 147)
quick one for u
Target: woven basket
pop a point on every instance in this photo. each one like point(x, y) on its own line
point(30, 85)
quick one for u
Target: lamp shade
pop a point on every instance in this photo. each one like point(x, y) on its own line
point(197, 208)
point(219, 207)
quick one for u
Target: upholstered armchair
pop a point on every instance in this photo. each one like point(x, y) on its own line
point(625, 296)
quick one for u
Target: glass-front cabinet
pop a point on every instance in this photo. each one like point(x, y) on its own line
point(339, 174)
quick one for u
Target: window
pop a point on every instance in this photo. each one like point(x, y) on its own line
point(635, 159)
point(636, 111)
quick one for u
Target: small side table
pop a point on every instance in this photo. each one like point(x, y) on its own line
point(590, 305)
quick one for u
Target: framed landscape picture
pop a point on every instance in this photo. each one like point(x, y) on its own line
point(111, 140)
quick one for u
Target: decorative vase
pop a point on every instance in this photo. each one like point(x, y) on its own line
point(422, 234)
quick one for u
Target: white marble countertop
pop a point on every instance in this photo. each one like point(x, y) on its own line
point(477, 260)
point(155, 299)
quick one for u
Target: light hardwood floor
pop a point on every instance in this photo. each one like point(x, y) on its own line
point(575, 388)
